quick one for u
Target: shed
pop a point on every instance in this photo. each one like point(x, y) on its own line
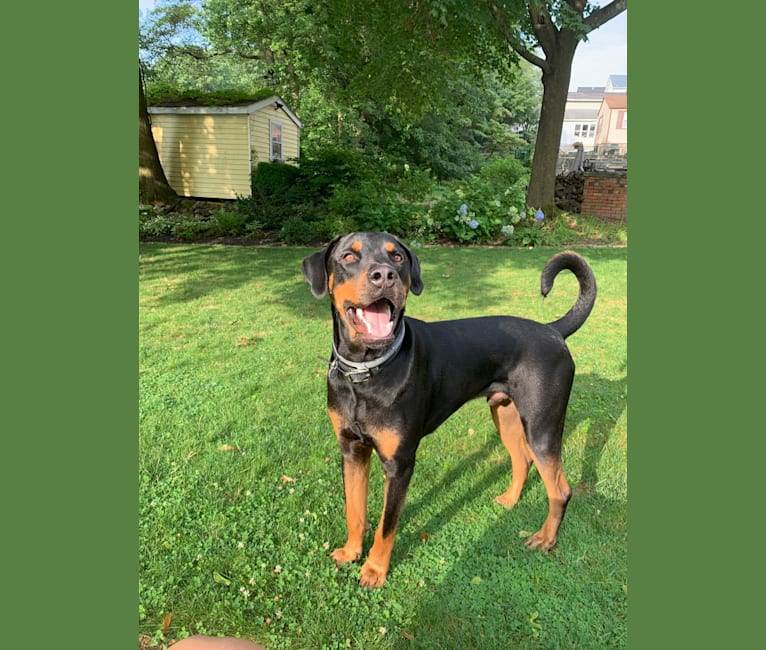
point(212, 151)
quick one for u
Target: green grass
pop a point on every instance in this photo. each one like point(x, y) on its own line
point(572, 229)
point(240, 489)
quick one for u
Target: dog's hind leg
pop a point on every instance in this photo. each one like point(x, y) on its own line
point(552, 472)
point(547, 459)
point(511, 429)
point(544, 433)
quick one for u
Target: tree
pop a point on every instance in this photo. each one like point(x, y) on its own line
point(360, 79)
point(153, 186)
point(407, 48)
point(395, 73)
point(557, 27)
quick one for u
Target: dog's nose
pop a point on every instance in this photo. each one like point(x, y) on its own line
point(382, 276)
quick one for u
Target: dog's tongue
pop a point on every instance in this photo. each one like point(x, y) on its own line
point(377, 319)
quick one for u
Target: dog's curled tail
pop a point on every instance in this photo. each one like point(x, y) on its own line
point(570, 322)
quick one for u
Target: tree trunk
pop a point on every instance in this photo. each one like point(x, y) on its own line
point(542, 183)
point(559, 46)
point(153, 186)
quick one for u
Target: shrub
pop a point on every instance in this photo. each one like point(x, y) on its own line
point(154, 225)
point(485, 208)
point(272, 199)
point(295, 231)
point(503, 172)
point(231, 223)
point(338, 191)
point(178, 226)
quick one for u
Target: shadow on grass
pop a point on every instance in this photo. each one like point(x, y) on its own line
point(497, 593)
point(191, 271)
point(598, 404)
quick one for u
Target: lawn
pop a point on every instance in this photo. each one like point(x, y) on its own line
point(240, 494)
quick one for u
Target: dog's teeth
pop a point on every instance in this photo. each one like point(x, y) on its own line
point(360, 316)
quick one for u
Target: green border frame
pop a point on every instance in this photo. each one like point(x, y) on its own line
point(70, 425)
point(70, 325)
point(694, 270)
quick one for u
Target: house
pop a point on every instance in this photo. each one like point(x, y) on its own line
point(580, 117)
point(582, 111)
point(212, 151)
point(616, 83)
point(612, 125)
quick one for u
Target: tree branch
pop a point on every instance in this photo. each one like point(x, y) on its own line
point(601, 15)
point(518, 46)
point(525, 54)
point(201, 55)
point(542, 25)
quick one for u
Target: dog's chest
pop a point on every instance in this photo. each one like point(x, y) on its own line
point(364, 410)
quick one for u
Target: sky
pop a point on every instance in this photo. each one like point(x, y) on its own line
point(605, 52)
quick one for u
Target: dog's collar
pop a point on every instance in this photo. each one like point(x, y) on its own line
point(358, 372)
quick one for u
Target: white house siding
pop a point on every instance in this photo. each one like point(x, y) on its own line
point(204, 155)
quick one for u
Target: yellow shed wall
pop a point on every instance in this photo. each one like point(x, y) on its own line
point(204, 155)
point(261, 142)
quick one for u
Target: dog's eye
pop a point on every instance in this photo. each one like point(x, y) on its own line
point(349, 257)
point(397, 257)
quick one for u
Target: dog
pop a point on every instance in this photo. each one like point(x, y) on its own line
point(394, 379)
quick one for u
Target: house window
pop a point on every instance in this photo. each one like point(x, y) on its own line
point(275, 131)
point(585, 130)
point(622, 120)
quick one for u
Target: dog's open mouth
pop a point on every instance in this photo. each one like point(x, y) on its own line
point(374, 322)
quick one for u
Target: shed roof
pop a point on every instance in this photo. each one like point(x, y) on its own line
point(244, 107)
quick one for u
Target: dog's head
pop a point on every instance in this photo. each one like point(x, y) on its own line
point(368, 276)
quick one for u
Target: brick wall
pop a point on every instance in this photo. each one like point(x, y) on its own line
point(605, 194)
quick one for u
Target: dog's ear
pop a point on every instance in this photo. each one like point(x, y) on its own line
point(315, 269)
point(416, 283)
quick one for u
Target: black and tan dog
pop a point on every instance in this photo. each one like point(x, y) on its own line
point(393, 380)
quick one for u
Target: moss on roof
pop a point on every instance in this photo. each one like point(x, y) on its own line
point(174, 97)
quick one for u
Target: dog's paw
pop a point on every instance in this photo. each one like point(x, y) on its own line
point(372, 576)
point(506, 500)
point(540, 542)
point(345, 554)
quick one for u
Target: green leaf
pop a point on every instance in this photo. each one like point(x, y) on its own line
point(221, 579)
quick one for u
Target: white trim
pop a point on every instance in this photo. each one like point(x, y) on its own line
point(226, 110)
point(250, 145)
point(278, 123)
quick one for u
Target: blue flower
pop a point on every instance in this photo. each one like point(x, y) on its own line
point(539, 215)
point(473, 224)
point(462, 210)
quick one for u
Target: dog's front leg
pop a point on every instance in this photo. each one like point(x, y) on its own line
point(356, 475)
point(398, 475)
